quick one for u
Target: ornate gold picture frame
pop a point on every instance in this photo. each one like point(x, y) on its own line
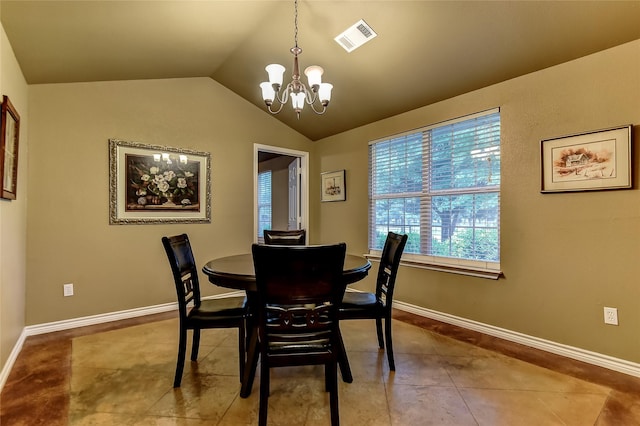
point(158, 184)
point(9, 144)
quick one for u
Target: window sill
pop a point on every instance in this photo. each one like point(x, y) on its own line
point(474, 269)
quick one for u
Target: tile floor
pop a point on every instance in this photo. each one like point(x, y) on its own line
point(122, 374)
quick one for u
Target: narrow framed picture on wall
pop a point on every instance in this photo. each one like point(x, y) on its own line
point(158, 184)
point(9, 143)
point(334, 186)
point(589, 161)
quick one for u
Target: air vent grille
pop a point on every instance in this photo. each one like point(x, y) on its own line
point(355, 36)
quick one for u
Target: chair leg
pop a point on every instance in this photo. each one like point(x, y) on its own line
point(345, 368)
point(379, 332)
point(332, 377)
point(182, 353)
point(252, 363)
point(242, 355)
point(264, 394)
point(196, 344)
point(327, 378)
point(387, 333)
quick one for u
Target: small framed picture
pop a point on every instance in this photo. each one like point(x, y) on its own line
point(334, 186)
point(158, 184)
point(9, 139)
point(589, 161)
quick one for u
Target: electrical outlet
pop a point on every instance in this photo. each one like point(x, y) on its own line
point(611, 316)
point(68, 289)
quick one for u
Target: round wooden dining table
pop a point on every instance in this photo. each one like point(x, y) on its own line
point(237, 272)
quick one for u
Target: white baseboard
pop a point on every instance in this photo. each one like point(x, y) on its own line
point(594, 358)
point(50, 327)
point(33, 330)
point(13, 356)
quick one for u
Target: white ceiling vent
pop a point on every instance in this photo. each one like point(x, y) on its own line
point(355, 36)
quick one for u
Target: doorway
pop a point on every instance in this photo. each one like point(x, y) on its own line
point(281, 189)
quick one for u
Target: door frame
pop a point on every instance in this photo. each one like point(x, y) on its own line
point(304, 183)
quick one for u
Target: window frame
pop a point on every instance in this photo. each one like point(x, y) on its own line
point(476, 268)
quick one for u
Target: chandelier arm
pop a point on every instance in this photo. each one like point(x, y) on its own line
point(283, 95)
point(313, 107)
point(310, 95)
point(282, 98)
point(275, 111)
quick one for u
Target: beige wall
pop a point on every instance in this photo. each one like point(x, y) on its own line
point(117, 267)
point(13, 214)
point(564, 256)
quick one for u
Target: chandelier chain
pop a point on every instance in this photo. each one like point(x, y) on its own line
point(295, 23)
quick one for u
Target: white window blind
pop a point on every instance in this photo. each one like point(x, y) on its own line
point(264, 202)
point(440, 185)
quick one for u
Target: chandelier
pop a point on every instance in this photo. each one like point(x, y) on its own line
point(296, 90)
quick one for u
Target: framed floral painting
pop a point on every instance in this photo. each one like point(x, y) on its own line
point(158, 184)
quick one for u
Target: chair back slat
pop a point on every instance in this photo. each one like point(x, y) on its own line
point(183, 267)
point(188, 287)
point(309, 317)
point(296, 237)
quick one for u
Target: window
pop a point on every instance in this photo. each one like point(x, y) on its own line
point(440, 185)
point(264, 202)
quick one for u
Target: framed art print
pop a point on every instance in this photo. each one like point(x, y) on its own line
point(334, 186)
point(590, 161)
point(158, 184)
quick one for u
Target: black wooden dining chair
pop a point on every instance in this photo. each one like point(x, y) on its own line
point(296, 237)
point(210, 313)
point(364, 305)
point(299, 289)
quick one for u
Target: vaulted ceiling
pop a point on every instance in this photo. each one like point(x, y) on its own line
point(425, 51)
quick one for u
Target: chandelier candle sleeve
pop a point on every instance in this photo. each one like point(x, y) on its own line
point(314, 75)
point(276, 73)
point(296, 90)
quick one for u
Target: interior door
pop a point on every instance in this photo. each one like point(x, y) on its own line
point(294, 194)
point(294, 186)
